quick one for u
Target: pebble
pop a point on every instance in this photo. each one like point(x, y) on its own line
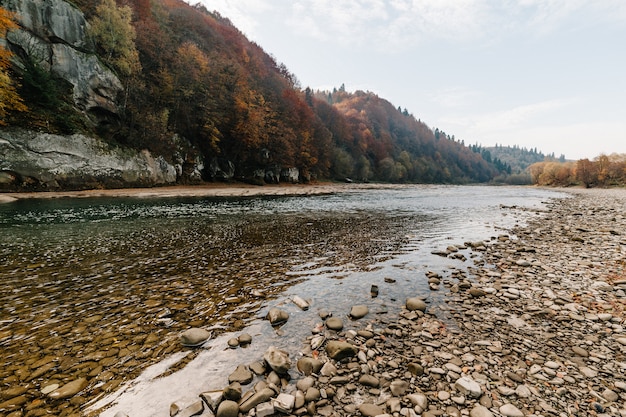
point(194, 337)
point(509, 410)
point(358, 311)
point(334, 323)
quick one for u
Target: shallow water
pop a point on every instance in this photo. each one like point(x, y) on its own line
point(102, 287)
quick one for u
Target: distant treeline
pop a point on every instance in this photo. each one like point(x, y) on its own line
point(603, 171)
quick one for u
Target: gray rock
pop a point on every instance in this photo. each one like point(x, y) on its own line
point(227, 408)
point(419, 401)
point(69, 390)
point(467, 386)
point(509, 410)
point(339, 350)
point(232, 392)
point(371, 410)
point(334, 323)
point(369, 380)
point(415, 303)
point(255, 399)
point(194, 337)
point(358, 311)
point(307, 366)
point(277, 316)
point(213, 398)
point(278, 360)
point(480, 411)
point(194, 409)
point(284, 403)
point(398, 387)
point(241, 375)
point(265, 409)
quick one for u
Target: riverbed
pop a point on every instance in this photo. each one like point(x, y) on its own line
point(100, 287)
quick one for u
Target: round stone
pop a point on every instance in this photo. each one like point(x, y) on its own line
point(194, 337)
point(334, 323)
point(359, 311)
point(415, 303)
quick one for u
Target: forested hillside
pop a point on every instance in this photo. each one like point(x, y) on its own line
point(195, 89)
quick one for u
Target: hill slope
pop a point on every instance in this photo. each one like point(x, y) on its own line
point(191, 88)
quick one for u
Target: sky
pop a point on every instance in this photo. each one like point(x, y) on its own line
point(545, 74)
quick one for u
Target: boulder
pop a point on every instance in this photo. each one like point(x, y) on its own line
point(278, 360)
point(415, 303)
point(241, 375)
point(227, 409)
point(339, 350)
point(359, 311)
point(308, 366)
point(194, 336)
point(277, 316)
point(69, 390)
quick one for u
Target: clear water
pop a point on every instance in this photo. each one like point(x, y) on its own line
point(123, 277)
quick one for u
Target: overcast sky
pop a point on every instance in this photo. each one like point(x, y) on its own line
point(549, 74)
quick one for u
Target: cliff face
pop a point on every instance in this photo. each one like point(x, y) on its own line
point(42, 161)
point(53, 34)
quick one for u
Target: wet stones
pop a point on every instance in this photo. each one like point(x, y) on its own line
point(69, 390)
point(276, 316)
point(415, 304)
point(358, 312)
point(241, 375)
point(334, 323)
point(339, 350)
point(194, 337)
point(278, 360)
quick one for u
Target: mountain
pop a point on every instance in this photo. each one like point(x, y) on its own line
point(185, 88)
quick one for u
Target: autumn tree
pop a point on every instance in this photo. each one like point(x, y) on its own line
point(114, 34)
point(10, 100)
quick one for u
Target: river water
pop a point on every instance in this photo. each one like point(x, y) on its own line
point(101, 288)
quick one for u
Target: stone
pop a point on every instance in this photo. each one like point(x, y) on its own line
point(610, 395)
point(213, 398)
point(509, 410)
point(277, 317)
point(419, 401)
point(194, 409)
point(415, 303)
point(467, 386)
point(244, 339)
point(339, 350)
point(480, 411)
point(264, 409)
point(227, 408)
point(258, 367)
point(284, 403)
point(476, 292)
point(371, 410)
point(194, 337)
point(328, 369)
point(415, 368)
point(241, 375)
point(278, 360)
point(300, 302)
point(312, 394)
point(580, 351)
point(308, 366)
point(358, 311)
point(369, 380)
point(334, 323)
point(255, 399)
point(305, 383)
point(69, 390)
point(233, 342)
point(232, 392)
point(398, 387)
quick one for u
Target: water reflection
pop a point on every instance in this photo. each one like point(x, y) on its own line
point(100, 289)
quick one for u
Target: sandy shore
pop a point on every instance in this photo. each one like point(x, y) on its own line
point(204, 190)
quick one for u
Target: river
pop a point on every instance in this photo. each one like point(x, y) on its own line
point(100, 288)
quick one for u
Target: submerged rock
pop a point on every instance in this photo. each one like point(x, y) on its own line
point(194, 337)
point(277, 316)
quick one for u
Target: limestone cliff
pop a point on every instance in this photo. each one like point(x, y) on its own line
point(53, 34)
point(42, 161)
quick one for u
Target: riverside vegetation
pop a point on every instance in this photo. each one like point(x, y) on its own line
point(534, 328)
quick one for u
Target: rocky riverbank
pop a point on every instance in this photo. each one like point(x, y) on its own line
point(536, 328)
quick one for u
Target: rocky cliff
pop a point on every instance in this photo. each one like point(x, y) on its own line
point(53, 35)
point(42, 161)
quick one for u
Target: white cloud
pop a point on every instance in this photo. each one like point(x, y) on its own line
point(242, 13)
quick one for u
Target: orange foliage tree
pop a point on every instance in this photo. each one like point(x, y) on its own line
point(10, 100)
